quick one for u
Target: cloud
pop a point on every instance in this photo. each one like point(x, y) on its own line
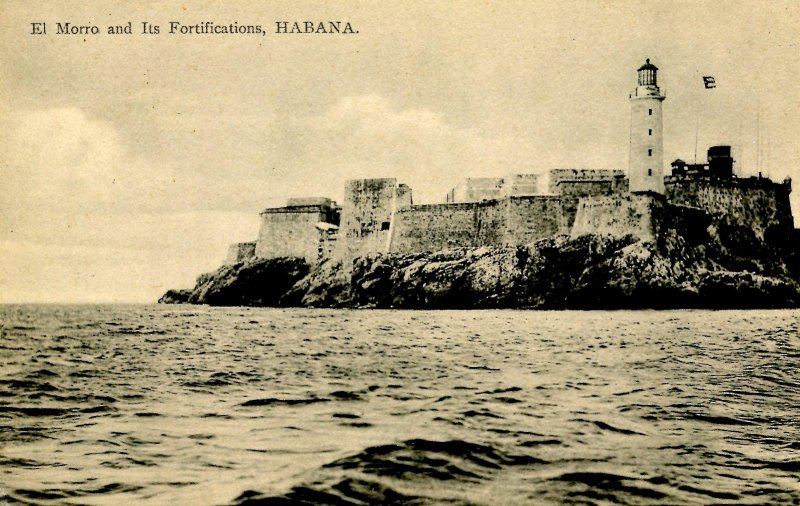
point(60, 160)
point(84, 220)
point(366, 136)
point(59, 155)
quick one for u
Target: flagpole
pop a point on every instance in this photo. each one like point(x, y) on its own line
point(708, 83)
point(758, 138)
point(697, 121)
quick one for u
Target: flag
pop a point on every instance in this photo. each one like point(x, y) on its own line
point(709, 82)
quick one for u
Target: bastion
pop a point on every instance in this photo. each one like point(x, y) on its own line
point(299, 229)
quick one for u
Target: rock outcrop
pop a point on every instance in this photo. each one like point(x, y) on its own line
point(677, 270)
point(253, 283)
point(180, 296)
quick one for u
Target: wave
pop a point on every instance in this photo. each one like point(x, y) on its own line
point(24, 495)
point(26, 384)
point(381, 470)
point(611, 428)
point(272, 401)
point(34, 410)
point(502, 407)
point(609, 486)
point(792, 466)
point(347, 492)
point(721, 420)
point(338, 395)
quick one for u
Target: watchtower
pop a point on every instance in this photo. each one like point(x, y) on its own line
point(646, 157)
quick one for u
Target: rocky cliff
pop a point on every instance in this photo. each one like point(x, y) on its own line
point(254, 283)
point(711, 269)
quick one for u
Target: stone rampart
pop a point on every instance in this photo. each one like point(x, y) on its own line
point(441, 226)
point(509, 221)
point(618, 216)
point(753, 203)
point(584, 188)
point(529, 219)
point(378, 216)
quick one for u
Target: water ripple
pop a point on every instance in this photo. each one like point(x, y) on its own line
point(197, 405)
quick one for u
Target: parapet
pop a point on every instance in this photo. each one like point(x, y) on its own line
point(310, 201)
point(294, 209)
point(368, 185)
point(326, 208)
point(586, 182)
point(752, 182)
point(585, 174)
point(449, 206)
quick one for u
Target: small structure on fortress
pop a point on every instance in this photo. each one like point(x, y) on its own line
point(719, 165)
point(379, 216)
point(478, 189)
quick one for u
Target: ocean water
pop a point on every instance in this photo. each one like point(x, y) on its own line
point(199, 405)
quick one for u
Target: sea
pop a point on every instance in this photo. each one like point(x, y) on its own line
point(159, 404)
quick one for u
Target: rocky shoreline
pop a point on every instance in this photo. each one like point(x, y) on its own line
point(587, 272)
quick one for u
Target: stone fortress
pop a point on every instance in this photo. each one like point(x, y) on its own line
point(379, 216)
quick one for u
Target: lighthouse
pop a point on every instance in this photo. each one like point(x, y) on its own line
point(646, 157)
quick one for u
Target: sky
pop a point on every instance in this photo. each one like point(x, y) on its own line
point(128, 163)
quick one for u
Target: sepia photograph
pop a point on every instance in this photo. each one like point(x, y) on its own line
point(264, 252)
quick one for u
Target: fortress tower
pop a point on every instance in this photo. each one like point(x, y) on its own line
point(646, 158)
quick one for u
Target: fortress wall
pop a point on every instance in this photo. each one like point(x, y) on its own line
point(240, 252)
point(529, 219)
point(760, 205)
point(571, 179)
point(618, 216)
point(290, 232)
point(367, 211)
point(584, 188)
point(442, 226)
point(490, 223)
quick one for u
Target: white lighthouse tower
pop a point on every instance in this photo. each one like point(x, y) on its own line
point(646, 158)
